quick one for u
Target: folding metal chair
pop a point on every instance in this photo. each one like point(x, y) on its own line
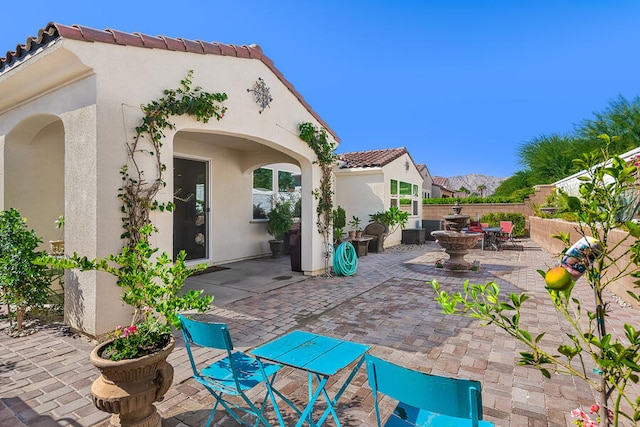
point(425, 399)
point(233, 375)
point(507, 234)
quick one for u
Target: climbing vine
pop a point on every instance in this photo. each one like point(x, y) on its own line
point(318, 140)
point(138, 194)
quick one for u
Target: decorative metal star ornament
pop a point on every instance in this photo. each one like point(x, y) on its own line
point(261, 94)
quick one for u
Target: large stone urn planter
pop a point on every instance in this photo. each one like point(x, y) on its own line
point(277, 247)
point(128, 388)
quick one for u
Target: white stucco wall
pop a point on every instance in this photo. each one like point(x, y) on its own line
point(360, 193)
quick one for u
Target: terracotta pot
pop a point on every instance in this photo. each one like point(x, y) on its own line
point(128, 388)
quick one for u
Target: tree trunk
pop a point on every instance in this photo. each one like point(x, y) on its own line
point(19, 318)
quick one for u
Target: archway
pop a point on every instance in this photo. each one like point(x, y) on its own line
point(34, 173)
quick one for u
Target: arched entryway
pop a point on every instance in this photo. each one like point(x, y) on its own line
point(34, 173)
point(213, 188)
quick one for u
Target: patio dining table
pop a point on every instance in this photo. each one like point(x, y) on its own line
point(491, 237)
point(321, 357)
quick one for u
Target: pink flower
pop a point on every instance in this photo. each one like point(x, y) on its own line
point(128, 331)
point(584, 419)
point(579, 413)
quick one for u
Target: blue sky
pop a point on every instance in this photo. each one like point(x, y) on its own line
point(461, 84)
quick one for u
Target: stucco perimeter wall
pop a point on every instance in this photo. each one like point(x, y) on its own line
point(541, 231)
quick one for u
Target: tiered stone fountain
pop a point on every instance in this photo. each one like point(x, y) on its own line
point(456, 243)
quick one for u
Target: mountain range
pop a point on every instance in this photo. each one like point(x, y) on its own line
point(472, 181)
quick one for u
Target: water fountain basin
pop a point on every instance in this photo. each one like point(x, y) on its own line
point(456, 244)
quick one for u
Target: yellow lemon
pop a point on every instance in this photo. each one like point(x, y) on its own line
point(558, 279)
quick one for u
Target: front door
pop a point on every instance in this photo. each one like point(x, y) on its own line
point(190, 217)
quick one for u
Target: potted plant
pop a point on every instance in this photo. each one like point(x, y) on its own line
point(339, 222)
point(279, 220)
point(355, 225)
point(57, 246)
point(393, 218)
point(551, 205)
point(133, 361)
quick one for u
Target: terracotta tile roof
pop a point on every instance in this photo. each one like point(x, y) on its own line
point(54, 31)
point(441, 182)
point(371, 158)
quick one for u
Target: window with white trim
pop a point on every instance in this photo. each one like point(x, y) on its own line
point(406, 196)
point(265, 180)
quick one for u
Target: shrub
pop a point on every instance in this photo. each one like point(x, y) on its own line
point(473, 200)
point(23, 284)
point(518, 220)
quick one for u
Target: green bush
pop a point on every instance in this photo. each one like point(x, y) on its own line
point(279, 220)
point(518, 220)
point(23, 284)
point(474, 200)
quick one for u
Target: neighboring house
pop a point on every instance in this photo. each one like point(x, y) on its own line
point(69, 99)
point(571, 184)
point(372, 181)
point(427, 181)
point(441, 188)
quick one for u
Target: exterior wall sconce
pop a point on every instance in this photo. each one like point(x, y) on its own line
point(261, 94)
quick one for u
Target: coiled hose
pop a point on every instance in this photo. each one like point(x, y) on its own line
point(345, 260)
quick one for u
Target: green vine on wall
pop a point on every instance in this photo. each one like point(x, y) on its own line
point(318, 141)
point(138, 194)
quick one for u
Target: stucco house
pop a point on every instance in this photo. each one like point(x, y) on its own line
point(571, 184)
point(427, 181)
point(440, 188)
point(70, 98)
point(372, 181)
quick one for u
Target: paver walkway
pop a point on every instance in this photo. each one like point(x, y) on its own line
point(45, 378)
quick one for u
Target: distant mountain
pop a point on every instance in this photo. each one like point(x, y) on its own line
point(472, 181)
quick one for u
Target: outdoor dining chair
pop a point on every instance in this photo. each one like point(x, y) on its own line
point(233, 375)
point(425, 399)
point(507, 234)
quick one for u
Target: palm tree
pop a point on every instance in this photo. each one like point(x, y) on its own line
point(481, 188)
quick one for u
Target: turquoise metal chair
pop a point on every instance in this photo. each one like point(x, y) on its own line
point(233, 375)
point(425, 399)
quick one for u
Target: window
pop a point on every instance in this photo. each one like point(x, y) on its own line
point(406, 196)
point(405, 189)
point(262, 192)
point(265, 180)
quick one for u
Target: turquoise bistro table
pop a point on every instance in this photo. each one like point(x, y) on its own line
point(321, 357)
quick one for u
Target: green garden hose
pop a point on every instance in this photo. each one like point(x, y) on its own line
point(345, 260)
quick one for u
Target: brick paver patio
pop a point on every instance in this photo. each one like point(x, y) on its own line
point(45, 378)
